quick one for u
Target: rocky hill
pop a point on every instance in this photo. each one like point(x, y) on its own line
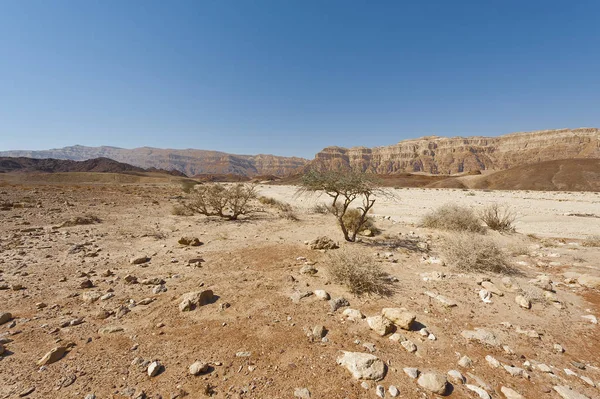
point(442, 155)
point(49, 165)
point(189, 161)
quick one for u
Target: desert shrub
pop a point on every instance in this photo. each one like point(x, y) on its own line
point(80, 221)
point(218, 200)
point(473, 253)
point(321, 209)
point(285, 210)
point(188, 186)
point(499, 218)
point(352, 222)
point(593, 241)
point(453, 217)
point(360, 273)
point(181, 210)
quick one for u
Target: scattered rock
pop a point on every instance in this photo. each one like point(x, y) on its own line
point(110, 329)
point(393, 391)
point(465, 362)
point(5, 317)
point(363, 365)
point(87, 283)
point(483, 336)
point(337, 303)
point(566, 392)
point(54, 355)
point(510, 393)
point(353, 314)
point(400, 317)
point(308, 269)
point(138, 260)
point(322, 295)
point(154, 368)
point(191, 300)
point(491, 287)
point(302, 393)
point(198, 368)
point(412, 372)
point(380, 325)
point(409, 346)
point(492, 361)
point(433, 382)
point(319, 331)
point(91, 296)
point(456, 377)
point(589, 281)
point(190, 241)
point(523, 302)
point(485, 296)
point(479, 391)
point(298, 295)
point(449, 303)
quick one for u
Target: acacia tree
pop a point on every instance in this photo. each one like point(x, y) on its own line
point(344, 188)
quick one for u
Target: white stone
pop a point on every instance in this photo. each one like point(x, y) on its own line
point(363, 365)
point(510, 393)
point(479, 391)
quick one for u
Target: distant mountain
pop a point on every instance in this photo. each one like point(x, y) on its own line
point(49, 165)
point(444, 155)
point(191, 162)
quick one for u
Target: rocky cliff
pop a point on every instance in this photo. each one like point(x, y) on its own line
point(442, 155)
point(190, 161)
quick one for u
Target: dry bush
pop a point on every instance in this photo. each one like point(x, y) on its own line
point(352, 222)
point(321, 209)
point(593, 241)
point(473, 253)
point(517, 249)
point(188, 186)
point(218, 200)
point(453, 217)
point(499, 218)
point(181, 210)
point(360, 273)
point(285, 210)
point(80, 221)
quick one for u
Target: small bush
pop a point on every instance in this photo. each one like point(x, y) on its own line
point(499, 218)
point(473, 253)
point(320, 209)
point(285, 210)
point(593, 241)
point(351, 221)
point(453, 218)
point(188, 186)
point(268, 201)
point(359, 273)
point(181, 210)
point(80, 221)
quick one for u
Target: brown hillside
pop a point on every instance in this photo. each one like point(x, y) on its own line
point(559, 175)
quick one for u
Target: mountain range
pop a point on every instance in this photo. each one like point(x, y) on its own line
point(430, 155)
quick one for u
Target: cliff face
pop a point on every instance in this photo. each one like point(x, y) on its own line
point(191, 162)
point(441, 155)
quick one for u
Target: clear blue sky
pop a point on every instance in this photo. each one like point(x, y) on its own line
point(291, 77)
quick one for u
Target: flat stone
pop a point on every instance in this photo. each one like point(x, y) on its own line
point(409, 346)
point(482, 336)
point(302, 393)
point(479, 391)
point(353, 314)
point(110, 329)
point(198, 368)
point(491, 287)
point(510, 393)
point(54, 355)
point(449, 303)
point(566, 392)
point(363, 365)
point(412, 372)
point(138, 260)
point(456, 377)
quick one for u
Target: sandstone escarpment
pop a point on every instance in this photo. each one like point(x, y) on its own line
point(442, 155)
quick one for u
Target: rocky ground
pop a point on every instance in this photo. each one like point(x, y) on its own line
point(119, 308)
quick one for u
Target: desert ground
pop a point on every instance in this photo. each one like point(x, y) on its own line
point(109, 295)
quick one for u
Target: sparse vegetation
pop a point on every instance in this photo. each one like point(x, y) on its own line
point(473, 253)
point(352, 222)
point(320, 209)
point(181, 210)
point(228, 202)
point(499, 218)
point(453, 217)
point(344, 188)
point(188, 186)
point(593, 241)
point(286, 211)
point(80, 221)
point(360, 273)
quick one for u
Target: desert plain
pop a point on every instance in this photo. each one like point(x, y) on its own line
point(109, 297)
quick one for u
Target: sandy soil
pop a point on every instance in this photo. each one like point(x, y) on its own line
point(253, 266)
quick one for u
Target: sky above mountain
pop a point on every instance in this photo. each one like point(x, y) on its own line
point(291, 77)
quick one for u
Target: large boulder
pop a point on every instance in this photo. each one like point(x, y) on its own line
point(363, 365)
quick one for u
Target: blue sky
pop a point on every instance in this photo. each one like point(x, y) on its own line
point(291, 77)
